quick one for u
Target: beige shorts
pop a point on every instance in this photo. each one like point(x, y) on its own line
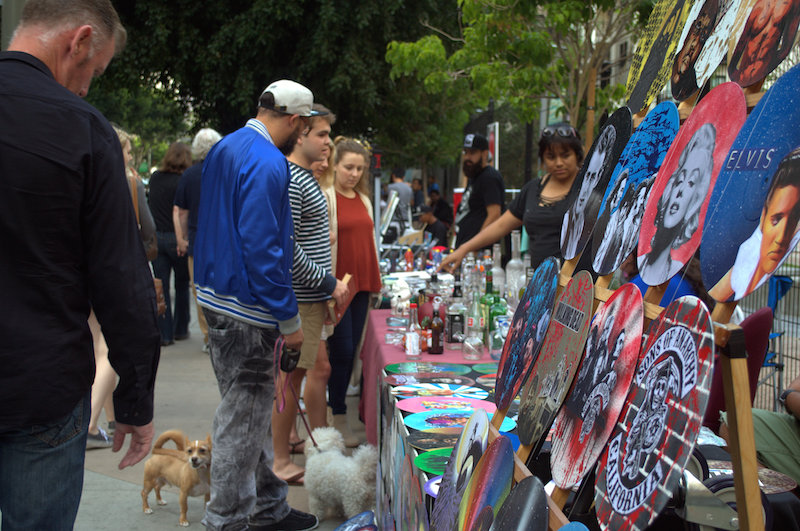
point(312, 316)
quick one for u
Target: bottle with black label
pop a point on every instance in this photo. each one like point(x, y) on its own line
point(456, 318)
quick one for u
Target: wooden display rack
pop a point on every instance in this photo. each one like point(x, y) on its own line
point(729, 339)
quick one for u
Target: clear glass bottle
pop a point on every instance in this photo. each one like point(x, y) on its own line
point(473, 344)
point(515, 272)
point(437, 329)
point(498, 275)
point(456, 318)
point(413, 334)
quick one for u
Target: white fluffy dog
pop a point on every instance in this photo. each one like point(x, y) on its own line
point(335, 481)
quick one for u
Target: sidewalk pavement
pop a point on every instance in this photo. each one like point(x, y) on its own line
point(186, 398)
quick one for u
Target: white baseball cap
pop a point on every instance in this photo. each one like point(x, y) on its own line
point(288, 97)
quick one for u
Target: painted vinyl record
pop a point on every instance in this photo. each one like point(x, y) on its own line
point(425, 440)
point(598, 392)
point(703, 44)
point(427, 367)
point(620, 219)
point(417, 404)
point(426, 420)
point(579, 220)
point(490, 483)
point(655, 52)
point(558, 359)
point(525, 507)
point(485, 368)
point(434, 461)
point(358, 522)
point(444, 390)
point(487, 380)
point(673, 220)
point(447, 378)
point(432, 486)
point(766, 40)
point(641, 467)
point(751, 225)
point(467, 453)
point(527, 331)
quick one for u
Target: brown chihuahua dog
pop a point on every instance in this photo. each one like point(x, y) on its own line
point(188, 468)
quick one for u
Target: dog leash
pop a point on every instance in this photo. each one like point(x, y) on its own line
point(282, 361)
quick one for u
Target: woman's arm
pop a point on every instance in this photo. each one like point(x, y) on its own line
point(499, 228)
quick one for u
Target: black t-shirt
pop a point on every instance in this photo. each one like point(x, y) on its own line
point(162, 197)
point(443, 211)
point(188, 197)
point(487, 188)
point(439, 232)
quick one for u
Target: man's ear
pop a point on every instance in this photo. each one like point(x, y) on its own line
point(80, 41)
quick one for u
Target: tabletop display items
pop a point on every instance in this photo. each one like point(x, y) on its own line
point(673, 220)
point(515, 273)
point(653, 440)
point(456, 319)
point(435, 389)
point(455, 478)
point(620, 216)
point(413, 337)
point(598, 393)
point(473, 346)
point(593, 177)
point(437, 329)
point(751, 225)
point(417, 404)
point(450, 418)
point(427, 368)
point(558, 360)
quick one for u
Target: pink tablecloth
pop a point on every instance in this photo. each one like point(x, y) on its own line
point(375, 355)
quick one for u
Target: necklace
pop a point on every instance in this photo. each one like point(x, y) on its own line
point(549, 200)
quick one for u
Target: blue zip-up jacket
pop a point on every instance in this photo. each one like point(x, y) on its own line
point(244, 246)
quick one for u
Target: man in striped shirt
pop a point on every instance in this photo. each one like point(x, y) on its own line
point(313, 285)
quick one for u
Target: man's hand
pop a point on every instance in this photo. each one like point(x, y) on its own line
point(141, 441)
point(294, 340)
point(451, 261)
point(183, 247)
point(341, 292)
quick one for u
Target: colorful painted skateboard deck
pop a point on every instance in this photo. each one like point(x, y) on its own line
point(427, 367)
point(558, 359)
point(766, 39)
point(489, 484)
point(657, 431)
point(434, 438)
point(672, 225)
point(468, 451)
point(617, 231)
point(655, 52)
point(736, 258)
point(417, 404)
point(527, 331)
point(444, 390)
point(433, 461)
point(598, 393)
point(592, 178)
point(525, 507)
point(446, 378)
point(426, 420)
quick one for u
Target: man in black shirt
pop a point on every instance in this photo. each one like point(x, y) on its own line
point(437, 229)
point(70, 243)
point(483, 200)
point(441, 208)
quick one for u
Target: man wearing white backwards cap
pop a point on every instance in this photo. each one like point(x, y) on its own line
point(243, 256)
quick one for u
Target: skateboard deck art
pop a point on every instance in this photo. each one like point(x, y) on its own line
point(593, 176)
point(455, 478)
point(765, 41)
point(558, 359)
point(620, 218)
point(673, 221)
point(527, 331)
point(737, 258)
point(442, 390)
point(598, 393)
point(657, 430)
point(655, 52)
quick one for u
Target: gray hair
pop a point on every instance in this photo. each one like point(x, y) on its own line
point(203, 141)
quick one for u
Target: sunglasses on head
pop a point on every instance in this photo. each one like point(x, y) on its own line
point(565, 131)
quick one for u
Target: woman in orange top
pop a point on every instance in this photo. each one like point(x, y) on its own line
point(353, 251)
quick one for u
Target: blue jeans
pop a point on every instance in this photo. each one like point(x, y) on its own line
point(170, 324)
point(41, 472)
point(243, 487)
point(342, 345)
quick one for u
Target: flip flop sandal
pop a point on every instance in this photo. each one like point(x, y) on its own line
point(297, 447)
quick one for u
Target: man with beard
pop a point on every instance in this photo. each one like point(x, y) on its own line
point(483, 200)
point(243, 257)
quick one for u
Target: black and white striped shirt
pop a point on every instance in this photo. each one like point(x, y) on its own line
point(311, 274)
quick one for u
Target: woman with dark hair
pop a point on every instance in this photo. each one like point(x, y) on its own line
point(541, 204)
point(678, 209)
point(776, 234)
point(163, 184)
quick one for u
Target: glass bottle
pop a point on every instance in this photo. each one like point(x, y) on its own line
point(456, 318)
point(498, 275)
point(488, 298)
point(437, 329)
point(473, 343)
point(413, 334)
point(515, 272)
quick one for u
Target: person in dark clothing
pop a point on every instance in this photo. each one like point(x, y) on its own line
point(483, 201)
point(163, 185)
point(441, 208)
point(437, 229)
point(70, 244)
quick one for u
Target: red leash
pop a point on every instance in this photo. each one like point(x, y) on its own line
point(280, 346)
